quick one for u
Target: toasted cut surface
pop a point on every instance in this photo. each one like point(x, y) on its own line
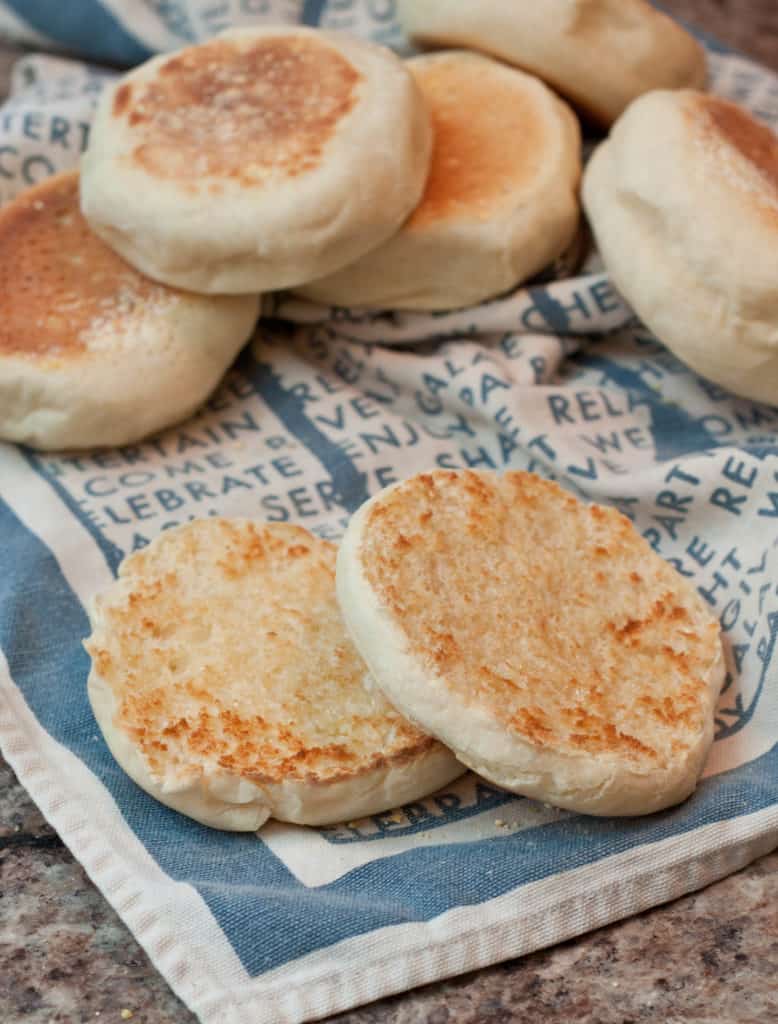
point(561, 657)
point(501, 197)
point(91, 351)
point(600, 54)
point(683, 201)
point(256, 160)
point(226, 684)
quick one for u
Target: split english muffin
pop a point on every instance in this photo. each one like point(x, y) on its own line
point(226, 686)
point(541, 639)
point(258, 160)
point(600, 54)
point(91, 352)
point(683, 201)
point(501, 198)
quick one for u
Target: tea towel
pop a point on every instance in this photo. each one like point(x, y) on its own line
point(322, 409)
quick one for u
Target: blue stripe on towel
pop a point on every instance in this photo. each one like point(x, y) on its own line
point(312, 11)
point(268, 916)
point(84, 27)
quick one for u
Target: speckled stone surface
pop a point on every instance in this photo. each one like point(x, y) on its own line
point(710, 958)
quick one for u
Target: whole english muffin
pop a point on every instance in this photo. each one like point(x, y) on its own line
point(540, 638)
point(501, 200)
point(226, 686)
point(683, 202)
point(92, 352)
point(600, 54)
point(257, 160)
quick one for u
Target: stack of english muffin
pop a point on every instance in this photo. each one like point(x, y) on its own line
point(287, 158)
point(237, 672)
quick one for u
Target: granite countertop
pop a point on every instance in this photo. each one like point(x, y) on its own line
point(709, 958)
point(65, 956)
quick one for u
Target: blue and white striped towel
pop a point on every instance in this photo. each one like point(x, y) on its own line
point(319, 412)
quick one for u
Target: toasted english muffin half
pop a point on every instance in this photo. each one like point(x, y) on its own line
point(538, 637)
point(93, 353)
point(226, 685)
point(501, 200)
point(259, 159)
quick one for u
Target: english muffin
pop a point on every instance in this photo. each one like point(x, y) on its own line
point(501, 201)
point(600, 54)
point(540, 638)
point(93, 353)
point(683, 202)
point(226, 685)
point(258, 160)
